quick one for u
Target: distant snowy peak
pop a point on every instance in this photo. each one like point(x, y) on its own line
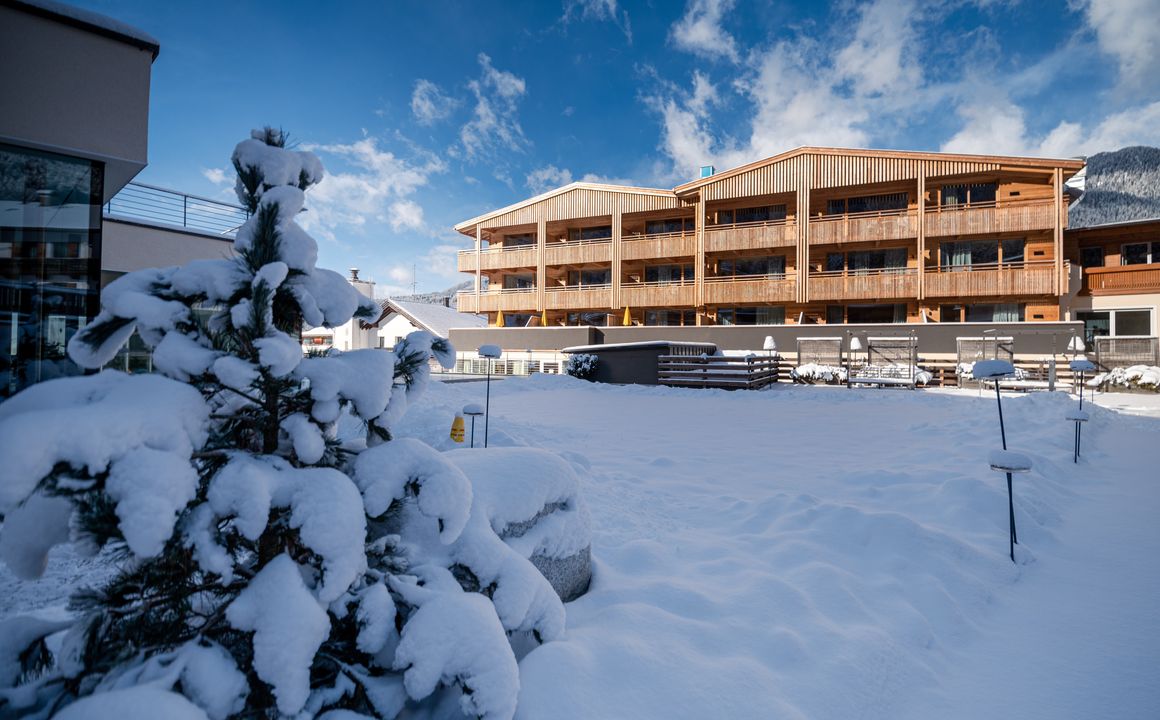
point(1120, 186)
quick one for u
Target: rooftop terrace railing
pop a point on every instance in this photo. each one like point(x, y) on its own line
point(154, 205)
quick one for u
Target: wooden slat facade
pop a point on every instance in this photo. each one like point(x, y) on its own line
point(1122, 280)
point(1029, 203)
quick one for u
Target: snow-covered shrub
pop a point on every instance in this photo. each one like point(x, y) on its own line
point(812, 373)
point(273, 566)
point(1136, 377)
point(581, 365)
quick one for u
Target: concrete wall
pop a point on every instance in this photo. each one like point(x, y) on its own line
point(130, 246)
point(75, 91)
point(1038, 338)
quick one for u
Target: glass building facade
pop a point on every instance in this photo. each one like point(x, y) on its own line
point(50, 254)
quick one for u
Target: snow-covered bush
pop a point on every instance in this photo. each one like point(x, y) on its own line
point(581, 365)
point(813, 373)
point(1136, 377)
point(272, 567)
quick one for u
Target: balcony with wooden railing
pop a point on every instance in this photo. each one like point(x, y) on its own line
point(989, 218)
point(1033, 277)
point(493, 300)
point(657, 294)
point(750, 236)
point(658, 246)
point(577, 252)
point(744, 289)
point(1122, 280)
point(873, 226)
point(883, 284)
point(578, 297)
point(499, 258)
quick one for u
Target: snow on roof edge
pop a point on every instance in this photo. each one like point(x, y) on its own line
point(89, 20)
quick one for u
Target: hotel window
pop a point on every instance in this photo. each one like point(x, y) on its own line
point(669, 317)
point(950, 313)
point(963, 255)
point(519, 282)
point(773, 266)
point(866, 203)
point(671, 225)
point(977, 194)
point(519, 240)
point(835, 314)
point(765, 315)
point(1000, 312)
point(1140, 253)
point(599, 232)
point(50, 250)
point(862, 262)
point(1091, 256)
point(892, 313)
point(761, 213)
point(1117, 323)
point(584, 278)
point(668, 273)
point(597, 319)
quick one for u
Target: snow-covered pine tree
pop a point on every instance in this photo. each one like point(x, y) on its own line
point(269, 566)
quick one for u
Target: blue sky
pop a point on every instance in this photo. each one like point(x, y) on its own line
point(428, 113)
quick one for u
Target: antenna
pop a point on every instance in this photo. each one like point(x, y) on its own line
point(414, 280)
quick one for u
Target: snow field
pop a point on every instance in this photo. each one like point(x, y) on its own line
point(813, 552)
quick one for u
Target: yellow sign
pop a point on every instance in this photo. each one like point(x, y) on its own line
point(457, 429)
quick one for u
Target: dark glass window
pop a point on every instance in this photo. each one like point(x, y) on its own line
point(976, 194)
point(519, 240)
point(519, 282)
point(1001, 312)
point(671, 225)
point(772, 265)
point(1133, 322)
point(835, 262)
point(1091, 256)
point(1140, 253)
point(589, 277)
point(668, 273)
point(867, 203)
point(1095, 324)
point(835, 314)
point(894, 313)
point(867, 260)
point(597, 319)
point(599, 232)
point(50, 255)
point(669, 317)
point(950, 313)
point(1013, 250)
point(765, 315)
point(761, 213)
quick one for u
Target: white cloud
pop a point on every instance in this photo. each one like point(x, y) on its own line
point(406, 214)
point(547, 178)
point(429, 104)
point(218, 176)
point(599, 10)
point(991, 128)
point(699, 31)
point(1127, 30)
point(881, 57)
point(495, 124)
point(346, 201)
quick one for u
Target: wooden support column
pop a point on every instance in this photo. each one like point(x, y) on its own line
point(1057, 188)
point(699, 264)
point(803, 242)
point(541, 270)
point(921, 233)
point(617, 219)
point(478, 264)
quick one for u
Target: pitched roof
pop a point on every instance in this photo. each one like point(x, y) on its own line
point(863, 152)
point(1122, 186)
point(461, 227)
point(436, 319)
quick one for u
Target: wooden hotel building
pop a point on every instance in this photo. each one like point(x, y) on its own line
point(814, 235)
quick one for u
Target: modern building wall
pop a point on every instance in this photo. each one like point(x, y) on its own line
point(76, 84)
point(129, 246)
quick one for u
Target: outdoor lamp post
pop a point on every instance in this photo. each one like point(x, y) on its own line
point(1003, 460)
point(1079, 366)
point(489, 353)
point(855, 346)
point(472, 410)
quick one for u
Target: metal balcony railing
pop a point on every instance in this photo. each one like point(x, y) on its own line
point(155, 205)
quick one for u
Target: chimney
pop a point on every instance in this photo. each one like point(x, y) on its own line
point(353, 274)
point(707, 171)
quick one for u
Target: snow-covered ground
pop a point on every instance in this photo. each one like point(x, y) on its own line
point(817, 552)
